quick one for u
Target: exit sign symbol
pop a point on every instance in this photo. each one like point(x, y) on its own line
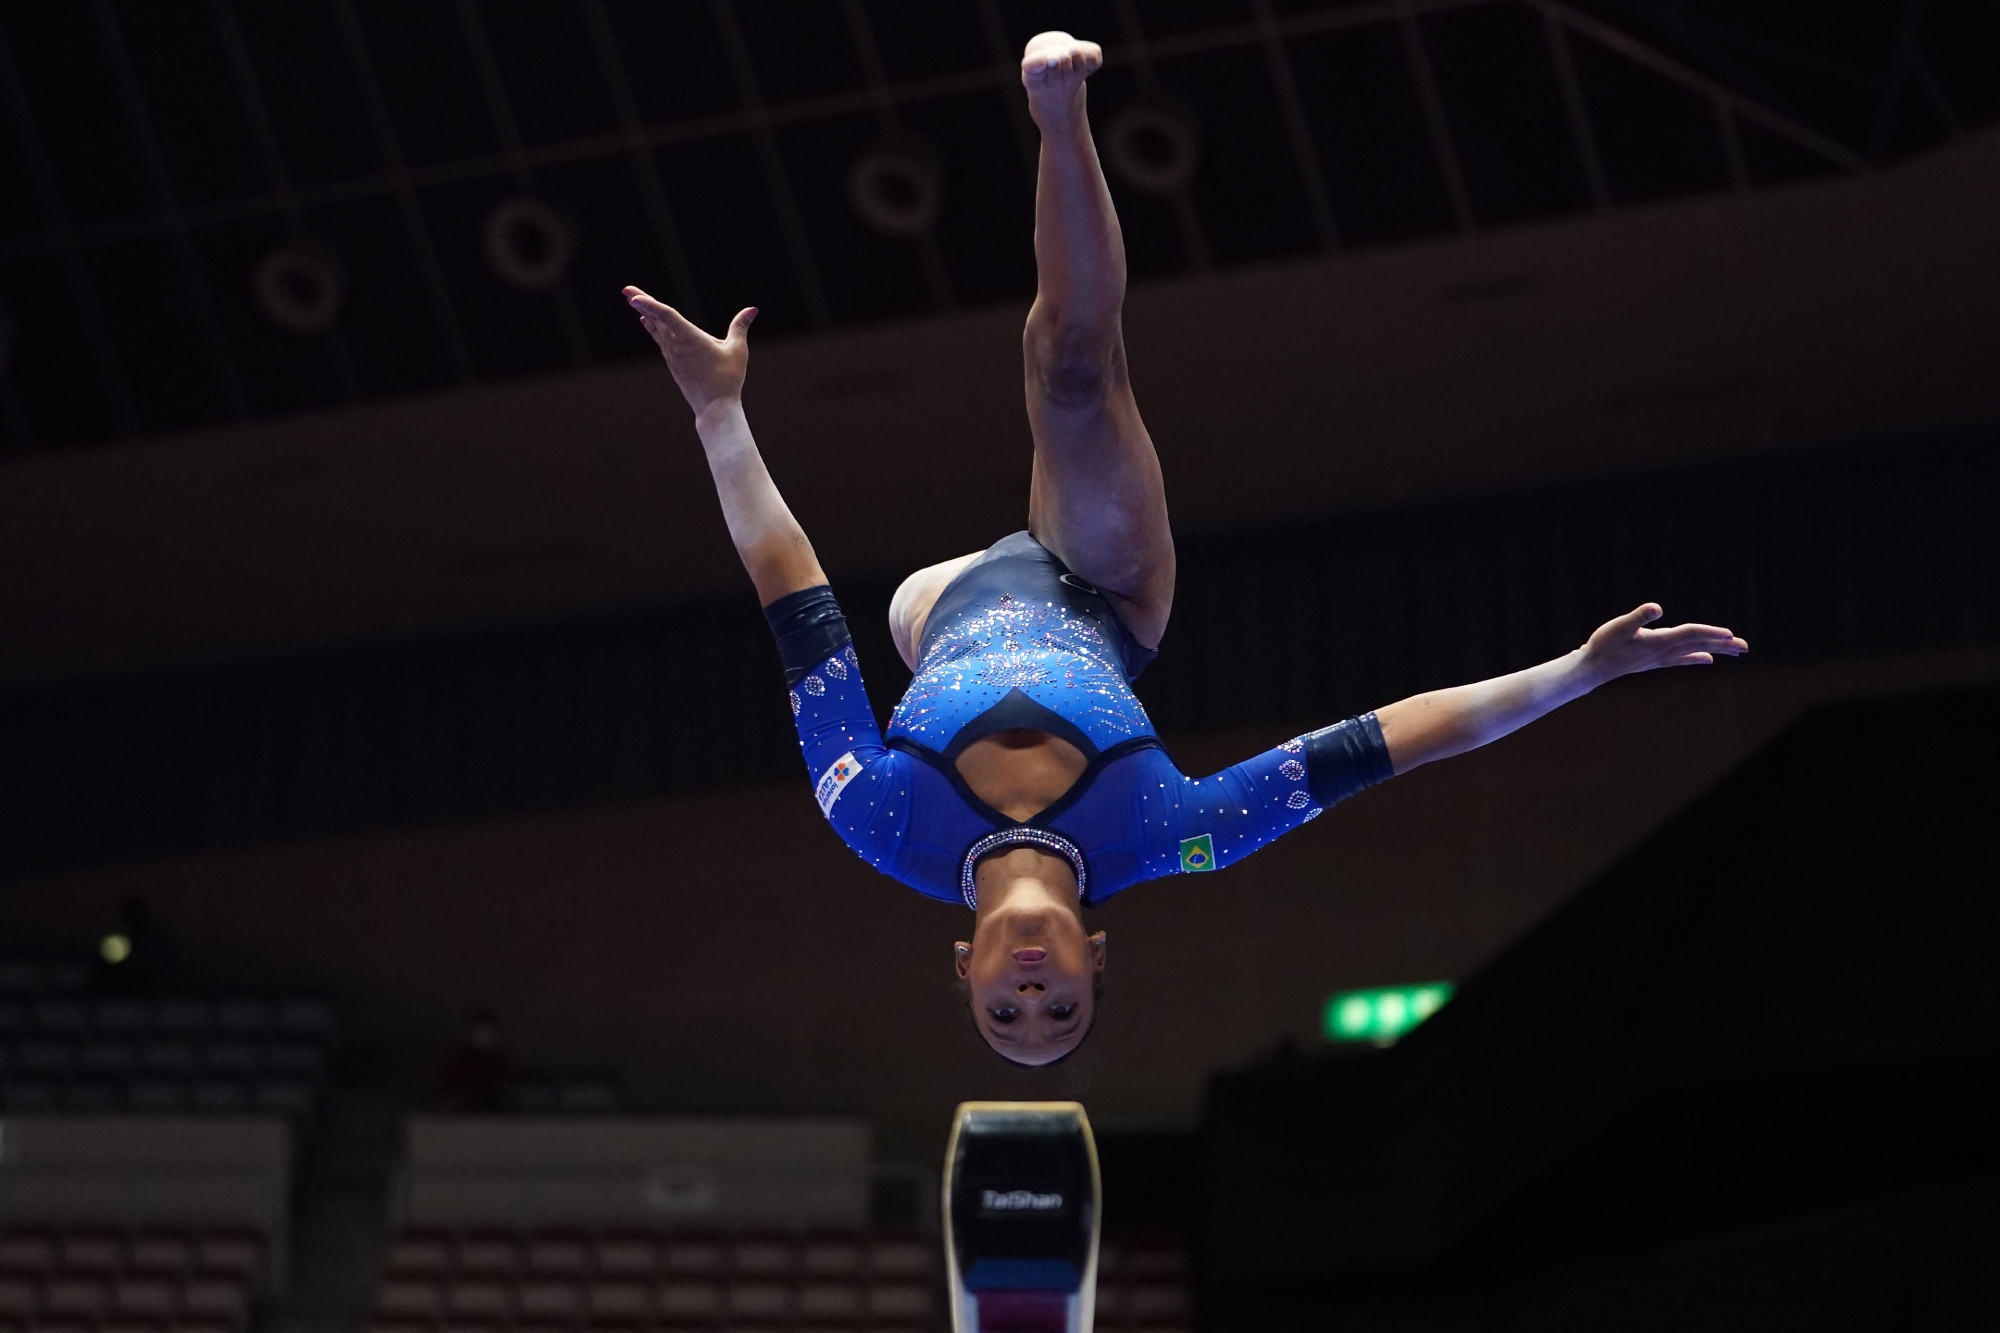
point(1383, 1013)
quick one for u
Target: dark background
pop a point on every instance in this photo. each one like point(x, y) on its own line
point(405, 660)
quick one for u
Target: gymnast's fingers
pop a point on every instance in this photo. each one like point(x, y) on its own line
point(1685, 638)
point(667, 319)
point(1636, 619)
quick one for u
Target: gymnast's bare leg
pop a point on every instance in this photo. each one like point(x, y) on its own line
point(1097, 500)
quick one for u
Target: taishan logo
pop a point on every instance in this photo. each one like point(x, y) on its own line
point(1019, 1201)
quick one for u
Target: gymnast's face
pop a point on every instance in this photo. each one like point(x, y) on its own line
point(1032, 972)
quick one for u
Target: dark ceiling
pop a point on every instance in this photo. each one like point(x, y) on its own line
point(223, 211)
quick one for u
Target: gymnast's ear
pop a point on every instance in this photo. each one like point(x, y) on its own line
point(1097, 952)
point(961, 959)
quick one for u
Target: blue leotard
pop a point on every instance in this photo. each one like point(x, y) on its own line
point(1017, 641)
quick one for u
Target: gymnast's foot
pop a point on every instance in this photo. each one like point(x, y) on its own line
point(1053, 69)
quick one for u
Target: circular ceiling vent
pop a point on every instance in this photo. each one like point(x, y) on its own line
point(299, 287)
point(1153, 147)
point(528, 243)
point(896, 189)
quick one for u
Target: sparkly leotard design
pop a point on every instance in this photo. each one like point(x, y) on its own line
point(1016, 641)
point(1053, 656)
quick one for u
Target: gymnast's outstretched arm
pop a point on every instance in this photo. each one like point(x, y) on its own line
point(710, 374)
point(1442, 723)
point(1220, 819)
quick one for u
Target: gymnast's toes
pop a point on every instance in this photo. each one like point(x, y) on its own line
point(1056, 60)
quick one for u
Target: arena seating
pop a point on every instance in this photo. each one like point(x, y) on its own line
point(177, 1055)
point(555, 1282)
point(1142, 1285)
point(566, 1282)
point(106, 1281)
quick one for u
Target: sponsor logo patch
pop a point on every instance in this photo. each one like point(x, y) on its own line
point(834, 781)
point(1197, 854)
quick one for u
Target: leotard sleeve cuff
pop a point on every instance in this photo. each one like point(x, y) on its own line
point(1346, 758)
point(809, 628)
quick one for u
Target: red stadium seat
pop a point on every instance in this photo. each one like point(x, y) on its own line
point(620, 1303)
point(899, 1257)
point(550, 1301)
point(763, 1256)
point(831, 1256)
point(831, 1302)
point(144, 1298)
point(420, 1254)
point(558, 1254)
point(628, 1255)
point(230, 1253)
point(77, 1297)
point(31, 1252)
point(490, 1254)
point(690, 1302)
point(469, 1300)
point(694, 1256)
point(19, 1297)
point(162, 1253)
point(91, 1252)
point(224, 1300)
point(758, 1300)
point(901, 1301)
point(410, 1298)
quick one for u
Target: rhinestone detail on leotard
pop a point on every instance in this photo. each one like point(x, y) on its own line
point(1057, 656)
point(1018, 837)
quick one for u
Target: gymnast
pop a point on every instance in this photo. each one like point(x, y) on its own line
point(1020, 775)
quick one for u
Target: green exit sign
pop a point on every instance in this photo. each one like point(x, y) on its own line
point(1384, 1013)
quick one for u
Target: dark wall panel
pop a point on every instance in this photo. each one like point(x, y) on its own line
point(1883, 550)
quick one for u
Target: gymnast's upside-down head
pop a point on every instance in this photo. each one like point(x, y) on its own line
point(1033, 976)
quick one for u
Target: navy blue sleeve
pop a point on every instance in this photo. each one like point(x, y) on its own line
point(1218, 820)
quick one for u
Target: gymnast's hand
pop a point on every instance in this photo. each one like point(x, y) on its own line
point(1624, 646)
point(709, 370)
point(1442, 723)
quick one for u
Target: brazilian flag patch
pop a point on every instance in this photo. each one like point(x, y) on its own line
point(1197, 854)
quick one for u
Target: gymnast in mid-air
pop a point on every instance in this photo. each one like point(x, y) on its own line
point(1019, 775)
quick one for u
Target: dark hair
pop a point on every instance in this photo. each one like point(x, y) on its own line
point(964, 989)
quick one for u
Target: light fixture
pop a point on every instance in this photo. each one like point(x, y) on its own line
point(527, 243)
point(1153, 146)
point(298, 287)
point(896, 188)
